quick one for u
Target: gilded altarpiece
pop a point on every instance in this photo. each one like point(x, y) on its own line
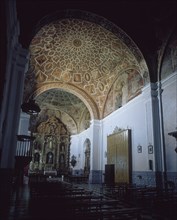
point(119, 154)
point(51, 148)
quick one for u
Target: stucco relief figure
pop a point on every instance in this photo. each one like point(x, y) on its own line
point(87, 120)
point(49, 159)
point(118, 95)
point(118, 101)
point(124, 86)
point(135, 83)
point(109, 104)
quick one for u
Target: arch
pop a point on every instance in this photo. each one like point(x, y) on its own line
point(93, 109)
point(129, 70)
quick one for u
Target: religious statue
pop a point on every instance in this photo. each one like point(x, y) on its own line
point(49, 159)
point(73, 161)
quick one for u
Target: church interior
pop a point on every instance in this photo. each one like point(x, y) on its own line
point(88, 110)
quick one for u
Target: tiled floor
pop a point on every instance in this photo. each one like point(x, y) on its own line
point(19, 204)
point(21, 207)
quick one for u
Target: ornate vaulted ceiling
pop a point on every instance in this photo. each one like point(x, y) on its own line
point(66, 106)
point(80, 70)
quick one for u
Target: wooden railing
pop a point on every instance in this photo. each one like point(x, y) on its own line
point(24, 146)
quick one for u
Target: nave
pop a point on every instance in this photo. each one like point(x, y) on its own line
point(55, 199)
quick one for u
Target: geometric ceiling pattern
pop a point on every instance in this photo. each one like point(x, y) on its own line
point(74, 57)
point(65, 106)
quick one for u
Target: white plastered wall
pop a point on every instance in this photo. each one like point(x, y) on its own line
point(135, 115)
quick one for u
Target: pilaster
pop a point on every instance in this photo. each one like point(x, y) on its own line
point(15, 92)
point(96, 153)
point(157, 135)
point(16, 66)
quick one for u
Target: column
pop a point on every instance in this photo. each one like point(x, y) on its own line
point(164, 168)
point(15, 66)
point(13, 106)
point(157, 136)
point(96, 153)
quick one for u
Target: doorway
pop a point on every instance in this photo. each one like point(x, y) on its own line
point(119, 154)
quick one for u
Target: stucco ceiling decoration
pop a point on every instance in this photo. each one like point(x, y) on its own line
point(81, 94)
point(71, 108)
point(66, 107)
point(88, 58)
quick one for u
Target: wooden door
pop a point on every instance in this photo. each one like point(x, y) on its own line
point(109, 174)
point(119, 154)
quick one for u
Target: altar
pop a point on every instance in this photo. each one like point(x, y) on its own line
point(50, 172)
point(51, 148)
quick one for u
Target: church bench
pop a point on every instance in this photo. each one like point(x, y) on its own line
point(124, 213)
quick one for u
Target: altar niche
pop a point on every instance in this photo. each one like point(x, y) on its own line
point(51, 147)
point(49, 159)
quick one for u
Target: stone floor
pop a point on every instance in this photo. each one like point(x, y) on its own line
point(20, 207)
